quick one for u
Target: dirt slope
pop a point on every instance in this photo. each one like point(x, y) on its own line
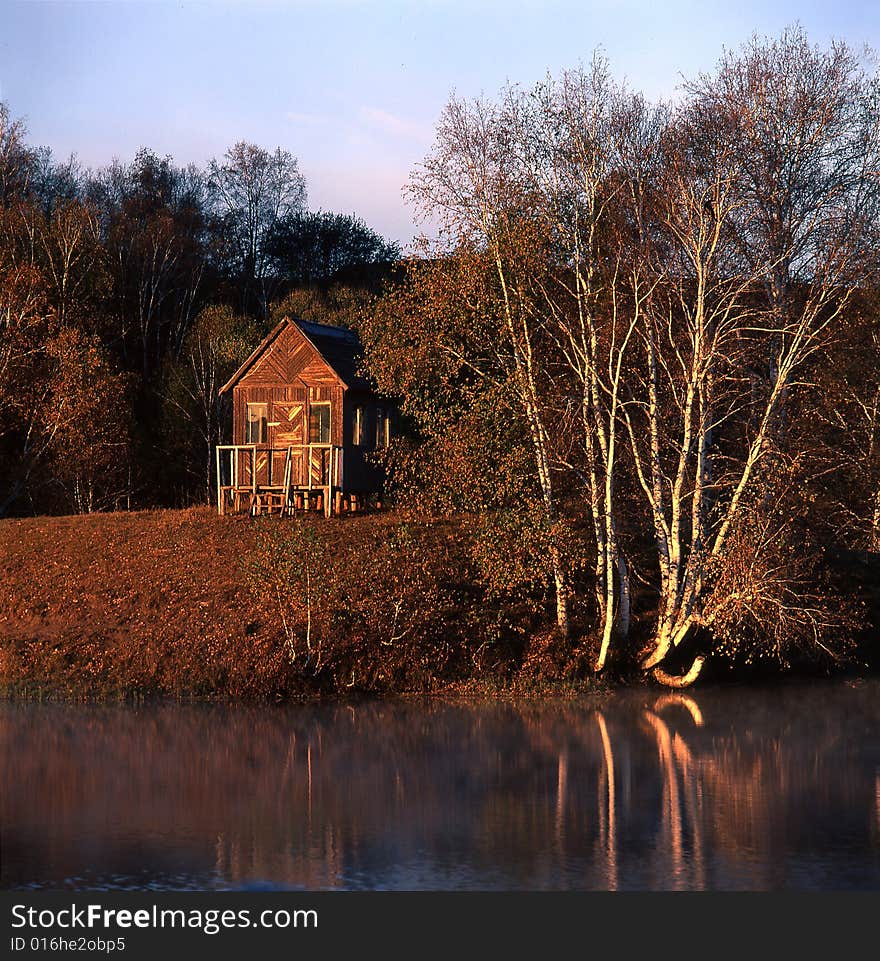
point(152, 601)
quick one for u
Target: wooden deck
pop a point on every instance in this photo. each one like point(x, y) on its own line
point(283, 480)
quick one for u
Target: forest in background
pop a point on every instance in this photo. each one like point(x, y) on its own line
point(639, 365)
point(129, 294)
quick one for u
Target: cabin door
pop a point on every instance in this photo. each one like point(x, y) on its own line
point(287, 430)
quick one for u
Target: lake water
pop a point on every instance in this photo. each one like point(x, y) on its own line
point(724, 788)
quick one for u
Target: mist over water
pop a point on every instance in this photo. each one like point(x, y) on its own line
point(724, 788)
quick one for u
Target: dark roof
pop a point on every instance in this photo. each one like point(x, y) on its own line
point(339, 347)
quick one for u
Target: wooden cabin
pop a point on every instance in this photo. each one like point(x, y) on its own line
point(304, 421)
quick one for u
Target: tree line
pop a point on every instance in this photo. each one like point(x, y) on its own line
point(645, 350)
point(130, 293)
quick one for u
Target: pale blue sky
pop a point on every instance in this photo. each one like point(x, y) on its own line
point(352, 89)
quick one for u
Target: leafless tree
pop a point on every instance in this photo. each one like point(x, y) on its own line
point(761, 210)
point(252, 190)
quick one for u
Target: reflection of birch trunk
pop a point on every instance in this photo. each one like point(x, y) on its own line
point(309, 782)
point(683, 701)
point(561, 795)
point(692, 793)
point(682, 791)
point(671, 817)
point(608, 819)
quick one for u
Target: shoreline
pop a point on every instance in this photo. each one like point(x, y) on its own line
point(162, 605)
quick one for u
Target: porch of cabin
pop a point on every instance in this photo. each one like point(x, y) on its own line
point(299, 478)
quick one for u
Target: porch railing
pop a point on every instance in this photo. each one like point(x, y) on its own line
point(266, 477)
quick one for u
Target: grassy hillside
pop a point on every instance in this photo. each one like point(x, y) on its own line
point(168, 603)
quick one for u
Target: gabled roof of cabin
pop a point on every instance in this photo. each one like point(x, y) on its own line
point(338, 347)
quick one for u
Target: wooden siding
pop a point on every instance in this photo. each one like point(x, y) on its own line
point(282, 403)
point(315, 371)
point(272, 367)
point(290, 357)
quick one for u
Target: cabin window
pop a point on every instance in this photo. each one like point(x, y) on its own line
point(359, 427)
point(255, 426)
point(383, 427)
point(319, 424)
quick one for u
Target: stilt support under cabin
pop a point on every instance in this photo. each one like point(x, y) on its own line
point(308, 500)
point(245, 483)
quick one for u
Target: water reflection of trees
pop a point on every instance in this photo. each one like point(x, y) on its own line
point(758, 790)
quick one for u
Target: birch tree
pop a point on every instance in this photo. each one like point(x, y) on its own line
point(472, 181)
point(759, 247)
point(581, 145)
point(156, 252)
point(17, 161)
point(694, 341)
point(665, 284)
